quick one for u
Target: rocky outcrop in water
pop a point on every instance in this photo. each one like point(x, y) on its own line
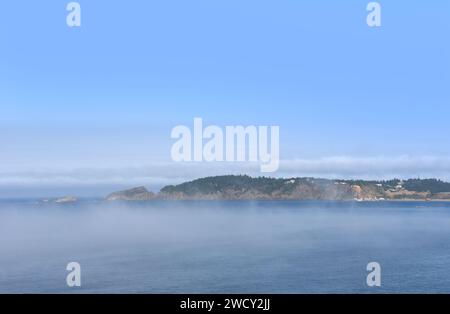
point(135, 194)
point(59, 200)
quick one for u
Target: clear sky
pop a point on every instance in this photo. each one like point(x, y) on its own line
point(95, 105)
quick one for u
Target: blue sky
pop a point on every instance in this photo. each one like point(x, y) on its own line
point(106, 95)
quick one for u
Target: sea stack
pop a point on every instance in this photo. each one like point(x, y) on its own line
point(134, 194)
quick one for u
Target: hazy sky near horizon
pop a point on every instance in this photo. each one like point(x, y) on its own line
point(79, 103)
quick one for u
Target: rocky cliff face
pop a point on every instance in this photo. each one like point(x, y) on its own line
point(289, 189)
point(135, 194)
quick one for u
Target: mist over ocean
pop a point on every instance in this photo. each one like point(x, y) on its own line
point(235, 246)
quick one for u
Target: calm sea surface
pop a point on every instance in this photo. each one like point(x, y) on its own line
point(201, 247)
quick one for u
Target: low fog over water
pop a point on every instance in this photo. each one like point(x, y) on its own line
point(225, 246)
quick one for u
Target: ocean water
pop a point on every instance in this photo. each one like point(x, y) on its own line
point(225, 247)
